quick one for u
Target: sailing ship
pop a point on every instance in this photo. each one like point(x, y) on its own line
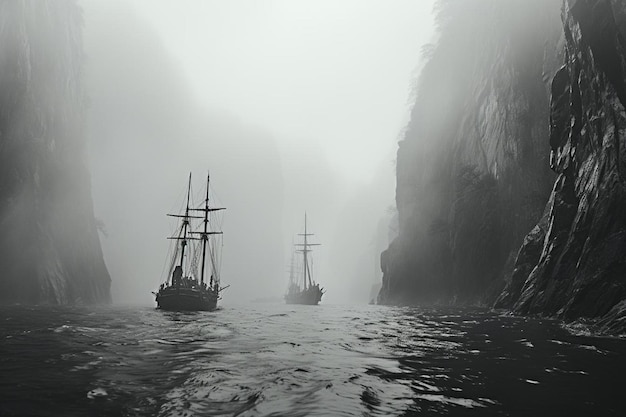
point(186, 287)
point(310, 292)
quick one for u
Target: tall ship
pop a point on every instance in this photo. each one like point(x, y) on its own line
point(302, 289)
point(193, 279)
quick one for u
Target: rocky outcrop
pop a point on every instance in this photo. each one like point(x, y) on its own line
point(49, 244)
point(573, 264)
point(473, 173)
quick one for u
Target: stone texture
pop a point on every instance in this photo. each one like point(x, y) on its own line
point(473, 173)
point(581, 272)
point(49, 245)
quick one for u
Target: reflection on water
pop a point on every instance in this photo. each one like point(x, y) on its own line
point(279, 360)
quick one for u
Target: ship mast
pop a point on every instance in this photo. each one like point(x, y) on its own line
point(183, 239)
point(204, 235)
point(305, 250)
point(183, 242)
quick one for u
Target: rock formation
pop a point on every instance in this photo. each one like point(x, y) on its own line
point(573, 264)
point(472, 170)
point(49, 244)
point(490, 118)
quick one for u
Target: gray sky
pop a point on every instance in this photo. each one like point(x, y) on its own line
point(299, 105)
point(336, 72)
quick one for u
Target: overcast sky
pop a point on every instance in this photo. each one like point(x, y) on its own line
point(321, 90)
point(334, 71)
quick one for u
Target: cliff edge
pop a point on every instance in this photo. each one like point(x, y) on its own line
point(482, 218)
point(473, 172)
point(49, 245)
point(573, 264)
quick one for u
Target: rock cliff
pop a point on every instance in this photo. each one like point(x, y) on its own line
point(505, 97)
point(473, 173)
point(49, 244)
point(573, 263)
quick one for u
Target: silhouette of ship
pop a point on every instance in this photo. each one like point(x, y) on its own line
point(310, 292)
point(185, 288)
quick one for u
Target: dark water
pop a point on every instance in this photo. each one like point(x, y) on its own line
point(278, 360)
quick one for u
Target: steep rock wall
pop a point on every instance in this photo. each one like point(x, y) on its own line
point(49, 245)
point(573, 264)
point(472, 170)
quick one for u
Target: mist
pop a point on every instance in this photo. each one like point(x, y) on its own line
point(292, 106)
point(459, 162)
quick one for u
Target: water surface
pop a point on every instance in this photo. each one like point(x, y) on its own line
point(289, 360)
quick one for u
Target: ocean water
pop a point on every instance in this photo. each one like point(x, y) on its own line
point(286, 360)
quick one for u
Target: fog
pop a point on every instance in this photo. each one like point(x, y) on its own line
point(293, 106)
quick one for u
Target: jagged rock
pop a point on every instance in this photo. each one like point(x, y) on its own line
point(526, 260)
point(613, 322)
point(463, 198)
point(582, 268)
point(473, 173)
point(49, 244)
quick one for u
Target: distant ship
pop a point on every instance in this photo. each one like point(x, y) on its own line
point(309, 292)
point(186, 287)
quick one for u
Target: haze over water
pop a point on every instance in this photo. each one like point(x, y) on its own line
point(293, 106)
point(275, 360)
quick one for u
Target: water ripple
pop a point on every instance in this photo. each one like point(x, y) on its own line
point(277, 360)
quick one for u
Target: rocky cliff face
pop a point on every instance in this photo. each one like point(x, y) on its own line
point(473, 168)
point(573, 263)
point(49, 245)
point(473, 173)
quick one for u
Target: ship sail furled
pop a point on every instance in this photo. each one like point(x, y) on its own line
point(310, 292)
point(186, 285)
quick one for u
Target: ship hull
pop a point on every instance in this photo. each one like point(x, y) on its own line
point(310, 296)
point(186, 299)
